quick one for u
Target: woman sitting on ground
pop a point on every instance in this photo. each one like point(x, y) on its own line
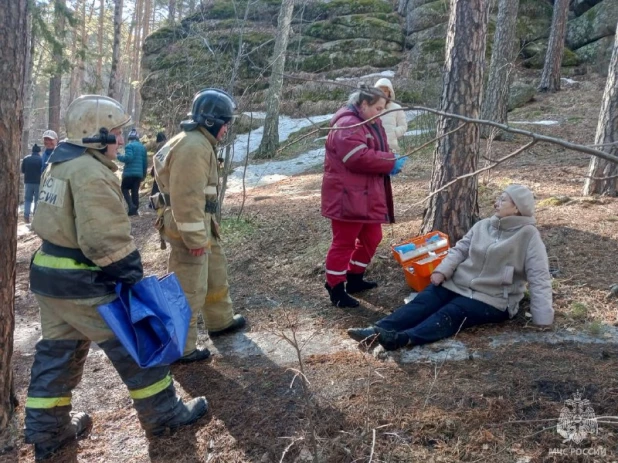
point(481, 280)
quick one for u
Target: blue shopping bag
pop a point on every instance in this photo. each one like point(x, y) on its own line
point(151, 319)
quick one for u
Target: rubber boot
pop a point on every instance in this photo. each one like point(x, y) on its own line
point(238, 322)
point(356, 284)
point(184, 413)
point(196, 356)
point(339, 297)
point(152, 389)
point(79, 425)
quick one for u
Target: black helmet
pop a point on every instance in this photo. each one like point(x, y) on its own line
point(212, 108)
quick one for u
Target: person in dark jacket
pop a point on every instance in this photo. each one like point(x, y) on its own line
point(161, 139)
point(135, 159)
point(31, 168)
point(356, 192)
point(50, 140)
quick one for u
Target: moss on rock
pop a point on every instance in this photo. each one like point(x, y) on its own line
point(599, 21)
point(358, 26)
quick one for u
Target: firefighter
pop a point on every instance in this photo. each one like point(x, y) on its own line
point(186, 170)
point(87, 248)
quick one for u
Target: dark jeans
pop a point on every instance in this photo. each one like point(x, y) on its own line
point(131, 185)
point(438, 313)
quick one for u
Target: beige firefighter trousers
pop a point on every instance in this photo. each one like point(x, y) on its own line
point(204, 282)
point(74, 318)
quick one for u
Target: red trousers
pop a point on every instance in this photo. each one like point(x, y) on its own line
point(353, 247)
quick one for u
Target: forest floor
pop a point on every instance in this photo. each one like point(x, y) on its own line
point(491, 394)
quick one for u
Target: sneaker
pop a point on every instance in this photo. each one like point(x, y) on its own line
point(365, 336)
point(392, 340)
point(80, 423)
point(238, 322)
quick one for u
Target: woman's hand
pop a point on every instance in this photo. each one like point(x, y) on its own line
point(436, 278)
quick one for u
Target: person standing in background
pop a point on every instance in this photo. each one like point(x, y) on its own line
point(135, 159)
point(31, 168)
point(50, 140)
point(394, 122)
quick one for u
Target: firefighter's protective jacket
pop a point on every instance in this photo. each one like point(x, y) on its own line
point(186, 171)
point(87, 244)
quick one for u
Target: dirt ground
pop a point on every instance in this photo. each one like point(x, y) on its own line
point(359, 407)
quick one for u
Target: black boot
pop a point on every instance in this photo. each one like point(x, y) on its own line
point(79, 425)
point(186, 414)
point(391, 340)
point(356, 284)
point(196, 356)
point(339, 297)
point(238, 322)
point(363, 335)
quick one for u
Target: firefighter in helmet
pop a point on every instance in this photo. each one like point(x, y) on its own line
point(87, 248)
point(186, 170)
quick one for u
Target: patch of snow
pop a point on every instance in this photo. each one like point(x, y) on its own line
point(255, 114)
point(287, 126)
point(535, 122)
point(569, 81)
point(415, 133)
point(273, 171)
point(375, 74)
point(23, 230)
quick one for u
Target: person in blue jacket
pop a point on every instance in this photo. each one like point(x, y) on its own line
point(135, 159)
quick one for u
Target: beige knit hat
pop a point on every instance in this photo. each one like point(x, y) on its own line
point(523, 199)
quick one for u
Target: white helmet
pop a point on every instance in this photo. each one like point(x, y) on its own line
point(88, 114)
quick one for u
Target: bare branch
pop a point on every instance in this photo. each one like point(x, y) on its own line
point(535, 136)
point(476, 172)
point(589, 176)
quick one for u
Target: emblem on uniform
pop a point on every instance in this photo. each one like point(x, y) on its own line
point(52, 191)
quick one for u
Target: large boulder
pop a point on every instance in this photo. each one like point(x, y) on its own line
point(534, 55)
point(596, 23)
point(597, 54)
point(520, 93)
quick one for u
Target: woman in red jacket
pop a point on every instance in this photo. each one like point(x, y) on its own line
point(356, 192)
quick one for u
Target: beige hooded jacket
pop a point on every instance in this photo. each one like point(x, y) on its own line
point(186, 171)
point(493, 261)
point(80, 207)
point(395, 123)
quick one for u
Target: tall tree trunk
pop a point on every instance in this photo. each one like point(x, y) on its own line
point(171, 8)
point(607, 132)
point(113, 89)
point(550, 80)
point(28, 88)
point(503, 53)
point(143, 26)
point(13, 53)
point(100, 39)
point(455, 209)
point(270, 139)
point(146, 20)
point(126, 64)
point(55, 81)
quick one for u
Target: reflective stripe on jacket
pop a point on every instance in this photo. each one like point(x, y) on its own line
point(356, 186)
point(80, 212)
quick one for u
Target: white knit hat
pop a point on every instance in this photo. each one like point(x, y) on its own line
point(523, 199)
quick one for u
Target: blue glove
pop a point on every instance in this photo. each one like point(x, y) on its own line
point(398, 165)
